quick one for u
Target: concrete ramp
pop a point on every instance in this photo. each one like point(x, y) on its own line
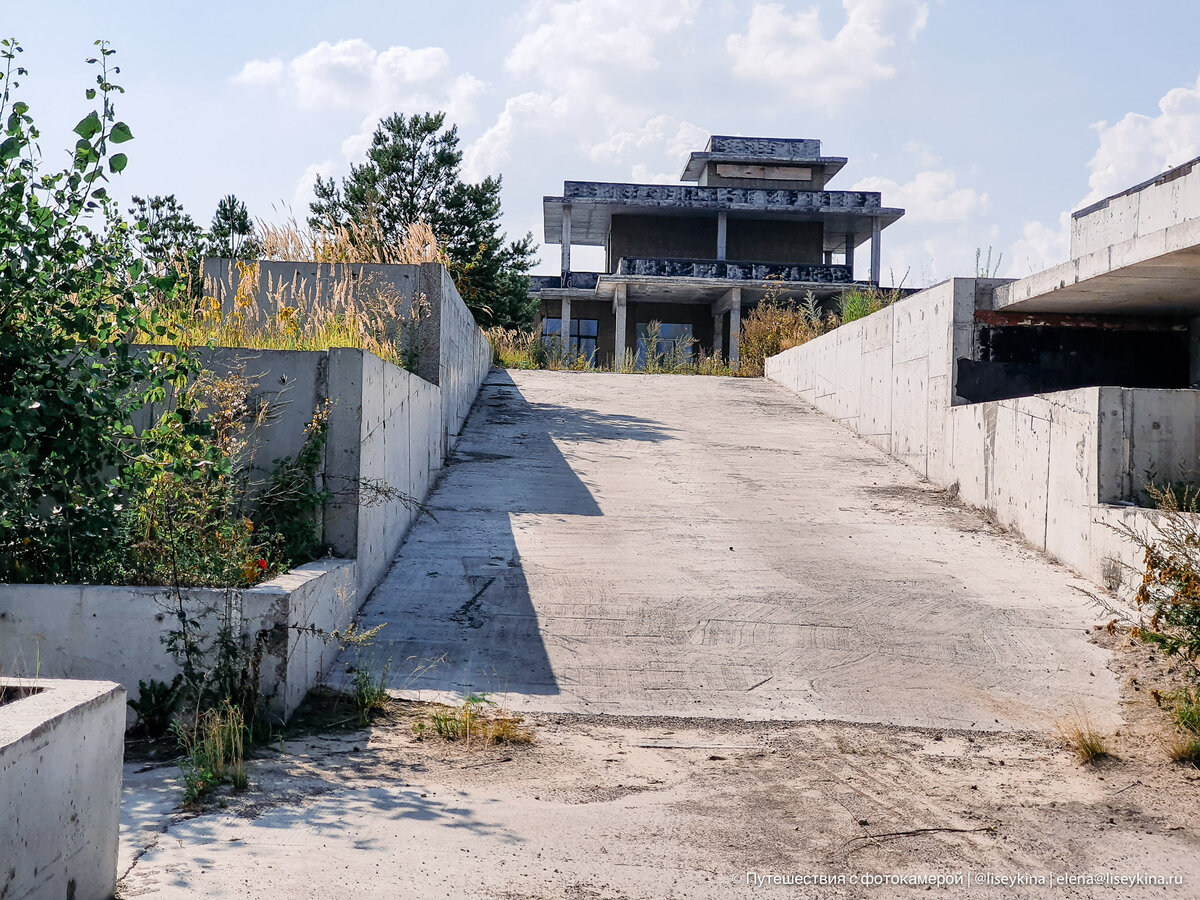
point(715, 547)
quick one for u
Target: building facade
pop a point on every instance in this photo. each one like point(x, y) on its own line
point(756, 218)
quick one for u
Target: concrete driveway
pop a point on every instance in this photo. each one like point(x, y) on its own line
point(715, 547)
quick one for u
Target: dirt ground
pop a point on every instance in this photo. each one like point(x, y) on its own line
point(637, 807)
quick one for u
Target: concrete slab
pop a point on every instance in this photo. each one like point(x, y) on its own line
point(675, 545)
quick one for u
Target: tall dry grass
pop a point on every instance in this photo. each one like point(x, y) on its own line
point(341, 312)
point(361, 243)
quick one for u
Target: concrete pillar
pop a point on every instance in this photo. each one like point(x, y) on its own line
point(566, 323)
point(850, 253)
point(566, 244)
point(718, 332)
point(619, 306)
point(1193, 352)
point(735, 322)
point(722, 233)
point(875, 252)
point(829, 257)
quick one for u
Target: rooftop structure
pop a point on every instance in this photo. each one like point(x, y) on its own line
point(756, 218)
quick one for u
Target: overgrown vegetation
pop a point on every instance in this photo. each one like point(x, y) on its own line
point(777, 323)
point(344, 312)
point(214, 751)
point(476, 721)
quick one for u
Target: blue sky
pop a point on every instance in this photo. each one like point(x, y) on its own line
point(989, 121)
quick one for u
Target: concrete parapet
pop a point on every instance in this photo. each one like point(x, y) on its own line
point(61, 749)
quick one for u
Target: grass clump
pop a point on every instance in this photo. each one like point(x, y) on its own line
point(213, 751)
point(477, 721)
point(370, 694)
point(1084, 739)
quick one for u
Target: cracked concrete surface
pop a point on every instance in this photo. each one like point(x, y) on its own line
point(674, 545)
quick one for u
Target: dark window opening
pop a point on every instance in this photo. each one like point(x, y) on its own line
point(1020, 360)
point(582, 337)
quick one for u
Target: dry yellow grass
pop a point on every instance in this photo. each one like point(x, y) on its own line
point(1081, 736)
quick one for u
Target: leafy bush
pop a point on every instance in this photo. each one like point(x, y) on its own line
point(1169, 594)
point(72, 295)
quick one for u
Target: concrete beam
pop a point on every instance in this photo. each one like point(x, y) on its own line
point(566, 242)
point(619, 308)
point(735, 323)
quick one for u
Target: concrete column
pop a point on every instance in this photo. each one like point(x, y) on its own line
point(566, 244)
point(718, 332)
point(619, 306)
point(722, 233)
point(1193, 352)
point(566, 323)
point(829, 257)
point(735, 322)
point(875, 252)
point(850, 253)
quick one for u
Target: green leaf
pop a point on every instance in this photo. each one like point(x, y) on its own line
point(121, 133)
point(90, 126)
point(118, 162)
point(10, 149)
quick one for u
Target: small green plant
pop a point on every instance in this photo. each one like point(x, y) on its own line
point(213, 748)
point(155, 704)
point(370, 694)
point(1187, 710)
point(477, 720)
point(1080, 735)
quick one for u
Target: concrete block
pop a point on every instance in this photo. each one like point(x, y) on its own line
point(61, 750)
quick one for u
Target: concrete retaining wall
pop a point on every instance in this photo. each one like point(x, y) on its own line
point(61, 750)
point(118, 633)
point(1049, 466)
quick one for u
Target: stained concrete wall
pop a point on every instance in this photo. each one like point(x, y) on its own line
point(118, 633)
point(1168, 199)
point(61, 750)
point(1047, 466)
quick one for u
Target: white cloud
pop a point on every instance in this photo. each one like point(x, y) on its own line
point(523, 114)
point(674, 137)
point(579, 44)
point(791, 51)
point(1129, 151)
point(929, 197)
point(1139, 147)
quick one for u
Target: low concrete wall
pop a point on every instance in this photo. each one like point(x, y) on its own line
point(61, 750)
point(119, 633)
point(1049, 466)
point(1165, 200)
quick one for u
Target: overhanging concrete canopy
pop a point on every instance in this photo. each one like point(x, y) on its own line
point(1154, 274)
point(593, 204)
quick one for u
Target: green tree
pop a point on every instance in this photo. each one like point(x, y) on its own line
point(169, 238)
point(232, 234)
point(72, 293)
point(412, 172)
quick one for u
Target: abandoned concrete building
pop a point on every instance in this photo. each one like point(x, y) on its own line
point(693, 257)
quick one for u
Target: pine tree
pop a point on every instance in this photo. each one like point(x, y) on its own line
point(412, 172)
point(232, 234)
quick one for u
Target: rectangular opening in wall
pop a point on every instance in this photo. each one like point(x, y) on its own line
point(674, 339)
point(1022, 360)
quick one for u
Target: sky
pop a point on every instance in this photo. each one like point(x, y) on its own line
point(989, 121)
